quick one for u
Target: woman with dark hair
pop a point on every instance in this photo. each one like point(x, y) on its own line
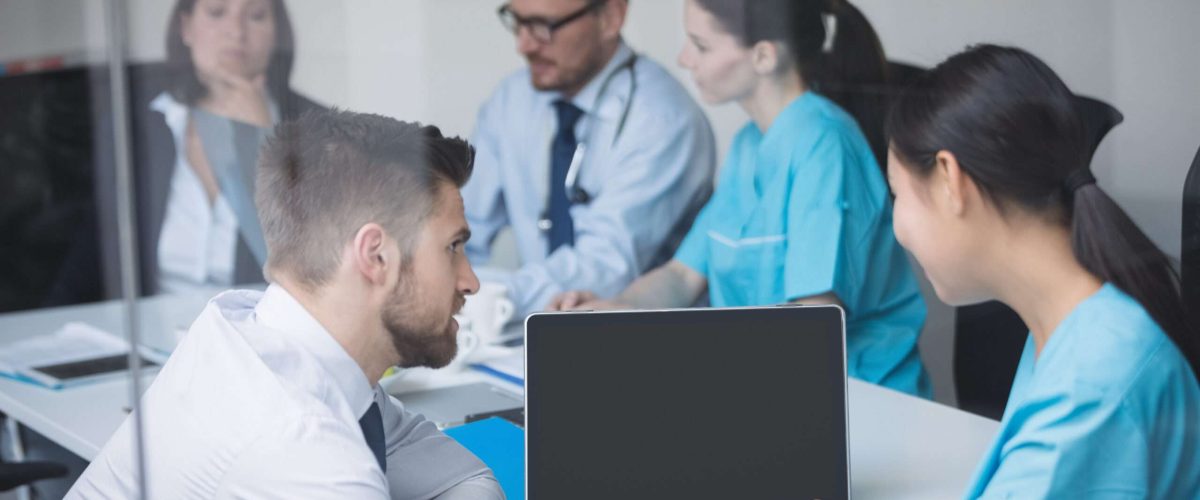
point(801, 212)
point(195, 122)
point(218, 46)
point(995, 198)
point(227, 58)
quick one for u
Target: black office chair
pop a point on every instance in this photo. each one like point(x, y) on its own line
point(1190, 253)
point(1098, 119)
point(989, 337)
point(13, 475)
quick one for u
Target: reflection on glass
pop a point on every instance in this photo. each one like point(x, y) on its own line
point(197, 120)
point(596, 156)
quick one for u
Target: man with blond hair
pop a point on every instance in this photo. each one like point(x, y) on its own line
point(274, 394)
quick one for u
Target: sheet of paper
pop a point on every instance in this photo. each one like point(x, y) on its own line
point(73, 342)
point(510, 367)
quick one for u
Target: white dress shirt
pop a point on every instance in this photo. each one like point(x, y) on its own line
point(259, 401)
point(198, 242)
point(646, 184)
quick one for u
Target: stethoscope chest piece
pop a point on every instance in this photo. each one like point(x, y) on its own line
point(576, 194)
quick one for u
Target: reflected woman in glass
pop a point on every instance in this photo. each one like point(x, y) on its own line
point(801, 212)
point(196, 121)
point(229, 58)
point(995, 198)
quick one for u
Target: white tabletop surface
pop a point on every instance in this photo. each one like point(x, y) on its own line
point(900, 446)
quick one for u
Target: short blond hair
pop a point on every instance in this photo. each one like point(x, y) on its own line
point(325, 175)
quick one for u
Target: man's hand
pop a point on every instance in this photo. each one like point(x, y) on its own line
point(238, 98)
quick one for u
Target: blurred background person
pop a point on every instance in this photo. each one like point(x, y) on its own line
point(801, 212)
point(227, 69)
point(231, 58)
point(196, 122)
point(594, 155)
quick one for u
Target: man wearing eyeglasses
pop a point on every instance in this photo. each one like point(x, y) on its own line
point(595, 156)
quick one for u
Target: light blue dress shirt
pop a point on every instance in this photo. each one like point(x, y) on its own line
point(646, 184)
point(803, 210)
point(1110, 409)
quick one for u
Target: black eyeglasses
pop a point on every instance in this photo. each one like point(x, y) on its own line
point(542, 29)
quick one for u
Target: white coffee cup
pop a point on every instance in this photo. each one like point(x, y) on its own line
point(488, 311)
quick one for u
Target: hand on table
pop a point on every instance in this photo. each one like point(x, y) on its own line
point(581, 300)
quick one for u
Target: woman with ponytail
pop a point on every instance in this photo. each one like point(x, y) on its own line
point(801, 212)
point(994, 197)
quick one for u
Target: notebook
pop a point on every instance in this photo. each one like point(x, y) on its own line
point(500, 445)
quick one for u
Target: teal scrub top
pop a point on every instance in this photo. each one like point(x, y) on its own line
point(1110, 409)
point(803, 210)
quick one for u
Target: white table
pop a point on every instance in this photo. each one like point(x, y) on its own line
point(900, 446)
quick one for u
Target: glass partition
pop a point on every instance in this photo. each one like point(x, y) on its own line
point(131, 133)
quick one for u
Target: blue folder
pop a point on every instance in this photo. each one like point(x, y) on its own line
point(501, 445)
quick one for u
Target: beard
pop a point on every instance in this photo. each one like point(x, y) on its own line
point(570, 79)
point(421, 333)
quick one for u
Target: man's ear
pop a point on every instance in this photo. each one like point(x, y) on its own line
point(370, 251)
point(612, 18)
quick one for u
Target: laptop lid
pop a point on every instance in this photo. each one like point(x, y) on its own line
point(696, 403)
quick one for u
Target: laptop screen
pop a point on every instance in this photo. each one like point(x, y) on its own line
point(700, 403)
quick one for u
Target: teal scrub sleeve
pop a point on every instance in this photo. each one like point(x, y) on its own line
point(817, 246)
point(1071, 444)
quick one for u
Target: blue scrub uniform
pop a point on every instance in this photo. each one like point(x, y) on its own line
point(803, 210)
point(1110, 409)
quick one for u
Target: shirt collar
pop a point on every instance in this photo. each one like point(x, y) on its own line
point(278, 310)
point(783, 127)
point(1063, 332)
point(176, 113)
point(586, 98)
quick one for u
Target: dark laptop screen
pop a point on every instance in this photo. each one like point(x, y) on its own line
point(704, 403)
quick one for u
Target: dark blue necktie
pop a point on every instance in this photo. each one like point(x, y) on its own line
point(562, 228)
point(372, 429)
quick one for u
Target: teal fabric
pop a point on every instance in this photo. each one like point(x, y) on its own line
point(1110, 409)
point(803, 210)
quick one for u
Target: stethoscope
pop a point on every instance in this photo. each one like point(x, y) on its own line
point(575, 193)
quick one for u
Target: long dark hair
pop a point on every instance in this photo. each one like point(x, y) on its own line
point(185, 85)
point(1012, 125)
point(852, 74)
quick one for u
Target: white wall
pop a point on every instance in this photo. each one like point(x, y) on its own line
point(37, 28)
point(1136, 55)
point(436, 60)
point(1156, 84)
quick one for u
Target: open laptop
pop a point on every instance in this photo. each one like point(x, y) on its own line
point(697, 403)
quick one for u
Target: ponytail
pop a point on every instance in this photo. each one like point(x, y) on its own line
point(853, 73)
point(1108, 244)
point(1016, 131)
